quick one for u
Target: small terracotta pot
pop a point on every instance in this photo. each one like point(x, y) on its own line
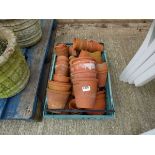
point(72, 52)
point(61, 49)
point(85, 92)
point(61, 78)
point(72, 106)
point(83, 54)
point(91, 46)
point(84, 75)
point(62, 58)
point(102, 67)
point(97, 56)
point(57, 99)
point(102, 77)
point(83, 64)
point(59, 86)
point(61, 69)
point(100, 103)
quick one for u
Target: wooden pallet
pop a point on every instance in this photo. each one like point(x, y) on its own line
point(24, 105)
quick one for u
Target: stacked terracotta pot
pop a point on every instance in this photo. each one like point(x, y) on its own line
point(88, 73)
point(59, 88)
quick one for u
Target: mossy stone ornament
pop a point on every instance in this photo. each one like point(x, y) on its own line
point(14, 71)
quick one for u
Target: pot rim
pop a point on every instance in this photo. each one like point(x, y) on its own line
point(76, 80)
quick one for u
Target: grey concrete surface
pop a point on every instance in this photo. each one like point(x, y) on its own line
point(135, 107)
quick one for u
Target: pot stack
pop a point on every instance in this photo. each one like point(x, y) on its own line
point(81, 64)
point(27, 31)
point(14, 71)
point(59, 88)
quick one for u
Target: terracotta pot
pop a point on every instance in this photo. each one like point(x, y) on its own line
point(61, 78)
point(57, 99)
point(91, 46)
point(61, 69)
point(72, 104)
point(61, 49)
point(102, 67)
point(83, 54)
point(62, 58)
point(100, 104)
point(85, 92)
point(72, 52)
point(83, 64)
point(88, 74)
point(59, 86)
point(97, 56)
point(102, 77)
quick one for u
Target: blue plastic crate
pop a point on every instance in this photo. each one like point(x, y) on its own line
point(110, 114)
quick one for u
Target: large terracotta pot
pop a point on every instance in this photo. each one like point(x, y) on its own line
point(61, 49)
point(57, 99)
point(97, 56)
point(84, 75)
point(100, 103)
point(61, 78)
point(91, 46)
point(83, 64)
point(59, 86)
point(85, 92)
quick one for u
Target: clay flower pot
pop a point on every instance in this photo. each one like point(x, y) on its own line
point(102, 71)
point(101, 67)
point(62, 59)
point(61, 69)
point(57, 99)
point(85, 92)
point(59, 86)
point(83, 64)
point(84, 75)
point(97, 56)
point(72, 106)
point(61, 49)
point(100, 104)
point(61, 78)
point(91, 46)
point(72, 52)
point(84, 53)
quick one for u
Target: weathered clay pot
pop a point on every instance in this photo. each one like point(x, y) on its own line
point(102, 77)
point(57, 99)
point(59, 86)
point(62, 59)
point(72, 104)
point(72, 52)
point(97, 56)
point(84, 53)
point(101, 67)
point(88, 74)
point(101, 74)
point(61, 78)
point(61, 49)
point(83, 64)
point(62, 69)
point(91, 46)
point(100, 103)
point(85, 92)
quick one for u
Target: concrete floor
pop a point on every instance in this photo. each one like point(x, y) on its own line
point(135, 107)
